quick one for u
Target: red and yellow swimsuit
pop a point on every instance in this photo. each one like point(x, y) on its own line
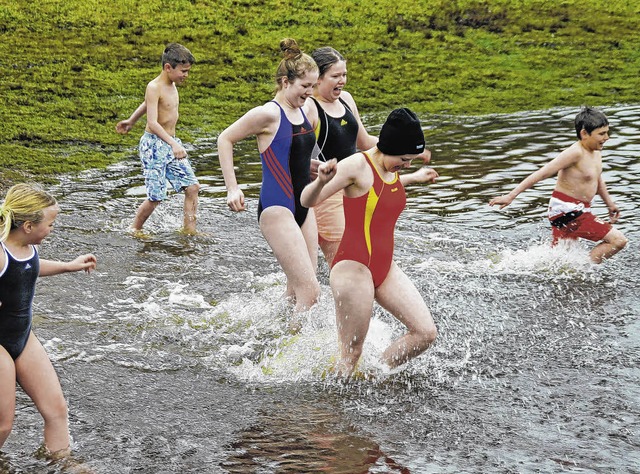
point(370, 222)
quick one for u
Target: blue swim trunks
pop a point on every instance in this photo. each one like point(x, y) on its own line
point(159, 166)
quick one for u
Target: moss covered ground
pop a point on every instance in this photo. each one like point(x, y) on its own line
point(73, 68)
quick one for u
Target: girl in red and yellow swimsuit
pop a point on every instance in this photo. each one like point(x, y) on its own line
point(363, 270)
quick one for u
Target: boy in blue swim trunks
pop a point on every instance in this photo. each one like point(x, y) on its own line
point(161, 152)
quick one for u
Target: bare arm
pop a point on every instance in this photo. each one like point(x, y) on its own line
point(422, 175)
point(124, 126)
point(257, 121)
point(86, 262)
point(563, 160)
point(364, 140)
point(603, 192)
point(332, 177)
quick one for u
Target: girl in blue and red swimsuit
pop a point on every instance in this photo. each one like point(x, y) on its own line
point(286, 142)
point(26, 218)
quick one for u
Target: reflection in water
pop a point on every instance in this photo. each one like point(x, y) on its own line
point(295, 439)
point(176, 355)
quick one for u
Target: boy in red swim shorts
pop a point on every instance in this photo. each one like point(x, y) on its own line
point(579, 171)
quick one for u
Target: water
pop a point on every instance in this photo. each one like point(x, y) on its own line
point(176, 356)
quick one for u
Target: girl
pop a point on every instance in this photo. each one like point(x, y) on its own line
point(285, 141)
point(340, 133)
point(26, 218)
point(363, 270)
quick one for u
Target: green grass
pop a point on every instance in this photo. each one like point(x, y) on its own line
point(73, 68)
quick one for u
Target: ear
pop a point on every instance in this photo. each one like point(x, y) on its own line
point(27, 227)
point(584, 134)
point(167, 67)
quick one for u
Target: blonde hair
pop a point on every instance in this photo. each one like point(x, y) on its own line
point(294, 64)
point(23, 202)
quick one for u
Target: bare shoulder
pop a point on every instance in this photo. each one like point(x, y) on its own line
point(348, 98)
point(257, 121)
point(570, 155)
point(3, 259)
point(354, 166)
point(310, 109)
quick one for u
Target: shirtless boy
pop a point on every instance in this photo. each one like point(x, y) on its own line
point(161, 152)
point(579, 170)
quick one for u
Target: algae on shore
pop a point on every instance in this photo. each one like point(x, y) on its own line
point(74, 68)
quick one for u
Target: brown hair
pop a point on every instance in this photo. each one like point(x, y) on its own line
point(294, 64)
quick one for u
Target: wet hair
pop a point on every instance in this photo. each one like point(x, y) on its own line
point(294, 64)
point(175, 54)
point(23, 202)
point(326, 57)
point(589, 119)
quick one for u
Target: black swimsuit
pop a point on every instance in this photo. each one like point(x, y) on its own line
point(337, 136)
point(17, 287)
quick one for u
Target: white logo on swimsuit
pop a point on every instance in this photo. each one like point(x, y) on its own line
point(27, 266)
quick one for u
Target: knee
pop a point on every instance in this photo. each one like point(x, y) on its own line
point(57, 411)
point(427, 336)
point(621, 242)
point(192, 189)
point(6, 424)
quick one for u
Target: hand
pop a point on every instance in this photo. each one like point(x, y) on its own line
point(178, 151)
point(327, 170)
point(86, 262)
point(425, 175)
point(313, 169)
point(502, 201)
point(235, 200)
point(425, 156)
point(123, 127)
point(614, 214)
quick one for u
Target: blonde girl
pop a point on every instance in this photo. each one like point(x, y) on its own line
point(27, 216)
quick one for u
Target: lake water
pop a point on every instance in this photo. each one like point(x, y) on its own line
point(175, 356)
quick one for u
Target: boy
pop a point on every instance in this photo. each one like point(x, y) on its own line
point(579, 170)
point(162, 154)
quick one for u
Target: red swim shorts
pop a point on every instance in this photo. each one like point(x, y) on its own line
point(585, 226)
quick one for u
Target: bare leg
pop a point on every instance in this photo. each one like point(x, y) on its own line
point(401, 298)
point(37, 377)
point(613, 242)
point(292, 251)
point(329, 249)
point(7, 394)
point(190, 208)
point(353, 293)
point(144, 211)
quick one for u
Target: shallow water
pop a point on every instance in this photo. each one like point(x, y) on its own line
point(176, 355)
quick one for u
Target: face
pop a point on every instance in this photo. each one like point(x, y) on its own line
point(39, 231)
point(298, 91)
point(597, 138)
point(179, 73)
point(396, 163)
point(332, 82)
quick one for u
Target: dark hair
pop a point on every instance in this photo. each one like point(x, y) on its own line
point(589, 119)
point(294, 64)
point(326, 57)
point(175, 54)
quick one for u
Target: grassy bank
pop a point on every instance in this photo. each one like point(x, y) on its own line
point(73, 68)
